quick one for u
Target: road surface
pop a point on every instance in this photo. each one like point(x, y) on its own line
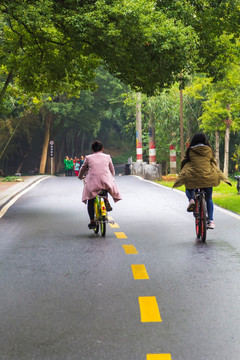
point(67, 294)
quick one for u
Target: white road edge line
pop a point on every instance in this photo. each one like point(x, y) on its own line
point(11, 202)
point(224, 211)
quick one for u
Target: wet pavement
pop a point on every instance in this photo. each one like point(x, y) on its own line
point(69, 294)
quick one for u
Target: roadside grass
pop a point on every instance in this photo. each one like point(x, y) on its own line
point(8, 179)
point(224, 195)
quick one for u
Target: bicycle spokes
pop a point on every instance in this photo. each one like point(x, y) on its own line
point(200, 215)
point(100, 215)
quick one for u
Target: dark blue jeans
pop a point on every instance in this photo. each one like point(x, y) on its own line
point(208, 191)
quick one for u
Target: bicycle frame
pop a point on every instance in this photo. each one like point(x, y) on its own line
point(200, 214)
point(100, 214)
point(99, 206)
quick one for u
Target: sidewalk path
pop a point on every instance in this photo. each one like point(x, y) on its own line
point(10, 189)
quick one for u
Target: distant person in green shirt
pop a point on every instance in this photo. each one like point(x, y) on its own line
point(66, 163)
point(68, 166)
point(71, 166)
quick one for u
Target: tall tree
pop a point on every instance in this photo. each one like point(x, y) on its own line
point(220, 103)
point(52, 45)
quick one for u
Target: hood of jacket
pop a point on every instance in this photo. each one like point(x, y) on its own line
point(201, 150)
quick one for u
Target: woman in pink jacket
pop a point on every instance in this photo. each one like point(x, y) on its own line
point(99, 171)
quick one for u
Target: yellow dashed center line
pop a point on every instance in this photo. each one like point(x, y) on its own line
point(148, 304)
point(149, 309)
point(115, 225)
point(139, 272)
point(129, 249)
point(120, 235)
point(158, 357)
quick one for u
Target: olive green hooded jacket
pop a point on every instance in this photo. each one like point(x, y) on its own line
point(201, 171)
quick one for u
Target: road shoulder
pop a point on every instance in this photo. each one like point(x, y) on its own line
point(9, 190)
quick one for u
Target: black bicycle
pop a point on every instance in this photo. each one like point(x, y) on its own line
point(200, 214)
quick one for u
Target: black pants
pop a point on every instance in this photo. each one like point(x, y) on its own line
point(91, 208)
point(91, 205)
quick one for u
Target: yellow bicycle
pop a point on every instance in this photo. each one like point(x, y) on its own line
point(100, 213)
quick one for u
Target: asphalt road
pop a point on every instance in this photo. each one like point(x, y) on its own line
point(67, 294)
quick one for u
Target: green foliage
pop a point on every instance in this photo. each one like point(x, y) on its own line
point(164, 111)
point(123, 158)
point(220, 100)
point(213, 22)
point(51, 51)
point(39, 55)
point(52, 46)
point(131, 37)
point(236, 157)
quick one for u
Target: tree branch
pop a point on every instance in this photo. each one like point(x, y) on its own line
point(9, 78)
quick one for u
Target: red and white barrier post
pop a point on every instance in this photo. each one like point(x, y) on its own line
point(152, 146)
point(173, 162)
point(139, 129)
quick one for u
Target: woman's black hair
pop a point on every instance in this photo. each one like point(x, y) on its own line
point(198, 138)
point(97, 146)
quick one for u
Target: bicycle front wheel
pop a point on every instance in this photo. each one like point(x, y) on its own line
point(96, 229)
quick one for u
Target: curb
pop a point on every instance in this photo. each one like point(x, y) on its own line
point(9, 194)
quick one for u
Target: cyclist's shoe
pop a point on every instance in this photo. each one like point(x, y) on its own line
point(191, 206)
point(108, 206)
point(211, 224)
point(92, 225)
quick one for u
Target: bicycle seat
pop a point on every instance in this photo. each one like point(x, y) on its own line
point(103, 193)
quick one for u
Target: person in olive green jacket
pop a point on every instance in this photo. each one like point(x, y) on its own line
point(199, 170)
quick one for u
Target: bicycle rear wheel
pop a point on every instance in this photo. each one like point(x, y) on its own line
point(203, 226)
point(96, 204)
point(197, 215)
point(103, 226)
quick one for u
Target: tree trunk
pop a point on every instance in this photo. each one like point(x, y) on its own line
point(7, 82)
point(226, 148)
point(139, 129)
point(90, 146)
point(82, 145)
point(217, 147)
point(152, 143)
point(78, 144)
point(47, 124)
point(60, 159)
point(181, 125)
point(73, 143)
point(66, 145)
point(2, 172)
point(22, 161)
